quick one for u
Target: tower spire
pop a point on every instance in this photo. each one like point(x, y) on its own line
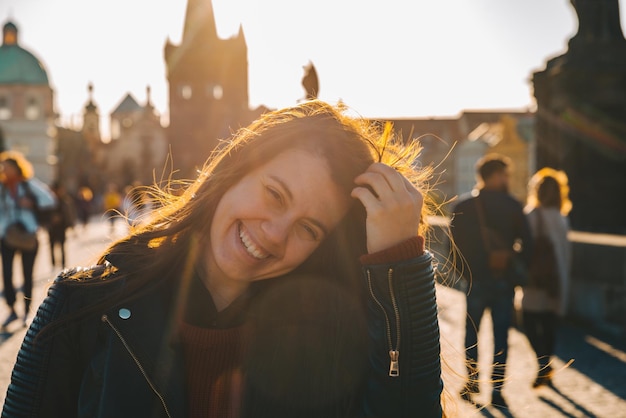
point(91, 120)
point(199, 21)
point(90, 106)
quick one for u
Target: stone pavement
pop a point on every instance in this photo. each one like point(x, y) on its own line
point(591, 368)
point(590, 378)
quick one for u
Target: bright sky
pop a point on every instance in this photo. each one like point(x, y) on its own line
point(383, 58)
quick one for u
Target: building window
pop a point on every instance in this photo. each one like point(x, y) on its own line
point(218, 92)
point(115, 129)
point(33, 110)
point(5, 108)
point(127, 122)
point(185, 92)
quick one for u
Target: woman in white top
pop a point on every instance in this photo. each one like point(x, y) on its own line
point(543, 303)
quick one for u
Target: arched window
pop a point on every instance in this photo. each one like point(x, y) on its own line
point(218, 92)
point(115, 129)
point(185, 91)
point(33, 109)
point(5, 108)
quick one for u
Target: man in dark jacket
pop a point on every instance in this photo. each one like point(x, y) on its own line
point(488, 219)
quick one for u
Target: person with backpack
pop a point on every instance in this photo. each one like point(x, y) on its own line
point(545, 296)
point(487, 225)
point(22, 198)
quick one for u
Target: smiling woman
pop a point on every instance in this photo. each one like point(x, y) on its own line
point(289, 279)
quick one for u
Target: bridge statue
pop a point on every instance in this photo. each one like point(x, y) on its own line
point(310, 81)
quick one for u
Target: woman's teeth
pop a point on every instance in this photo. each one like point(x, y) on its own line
point(252, 249)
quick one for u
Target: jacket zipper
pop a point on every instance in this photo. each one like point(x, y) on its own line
point(105, 319)
point(394, 353)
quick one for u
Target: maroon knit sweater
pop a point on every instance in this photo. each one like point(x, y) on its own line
point(213, 356)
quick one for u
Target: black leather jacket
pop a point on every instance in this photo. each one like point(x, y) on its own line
point(125, 361)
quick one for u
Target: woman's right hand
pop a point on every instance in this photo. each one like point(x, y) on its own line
point(393, 205)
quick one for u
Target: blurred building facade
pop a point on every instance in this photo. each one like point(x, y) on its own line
point(138, 147)
point(581, 117)
point(135, 153)
point(27, 116)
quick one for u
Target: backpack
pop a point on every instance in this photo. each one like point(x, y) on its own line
point(543, 271)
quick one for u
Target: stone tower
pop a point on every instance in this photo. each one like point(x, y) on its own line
point(581, 117)
point(208, 87)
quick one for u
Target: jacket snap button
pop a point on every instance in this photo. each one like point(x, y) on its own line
point(124, 313)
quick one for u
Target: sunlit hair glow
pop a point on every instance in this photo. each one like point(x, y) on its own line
point(18, 160)
point(349, 145)
point(491, 164)
point(549, 188)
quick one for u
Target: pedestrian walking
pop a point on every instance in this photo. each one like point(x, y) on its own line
point(545, 298)
point(490, 222)
point(21, 197)
point(84, 200)
point(289, 279)
point(62, 217)
point(112, 201)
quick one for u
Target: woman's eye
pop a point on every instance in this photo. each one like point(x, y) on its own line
point(275, 195)
point(310, 232)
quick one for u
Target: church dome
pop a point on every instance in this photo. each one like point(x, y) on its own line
point(17, 65)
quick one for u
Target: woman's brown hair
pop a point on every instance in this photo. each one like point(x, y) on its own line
point(549, 188)
point(167, 244)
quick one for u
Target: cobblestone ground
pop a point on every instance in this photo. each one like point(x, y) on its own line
point(591, 369)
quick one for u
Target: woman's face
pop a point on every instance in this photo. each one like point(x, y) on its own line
point(269, 222)
point(9, 171)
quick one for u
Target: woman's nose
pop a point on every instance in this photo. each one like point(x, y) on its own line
point(276, 230)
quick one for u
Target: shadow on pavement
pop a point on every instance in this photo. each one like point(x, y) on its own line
point(558, 408)
point(486, 410)
point(600, 357)
point(6, 334)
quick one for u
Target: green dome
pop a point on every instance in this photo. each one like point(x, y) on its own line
point(17, 65)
